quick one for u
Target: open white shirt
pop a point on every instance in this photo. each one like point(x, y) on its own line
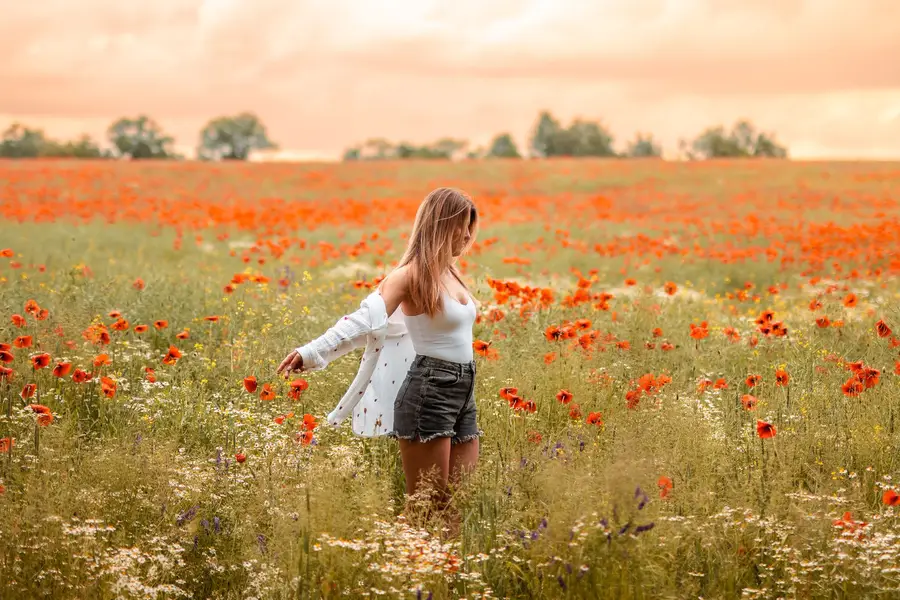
point(386, 360)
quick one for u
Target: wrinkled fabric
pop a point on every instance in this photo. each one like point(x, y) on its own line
point(385, 362)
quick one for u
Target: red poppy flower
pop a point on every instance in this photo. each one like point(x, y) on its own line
point(250, 383)
point(39, 361)
point(595, 418)
point(890, 498)
point(882, 329)
point(309, 422)
point(298, 386)
point(508, 392)
point(172, 356)
point(748, 401)
point(852, 387)
point(782, 378)
point(160, 324)
point(765, 430)
point(267, 393)
point(80, 376)
point(18, 321)
point(101, 359)
point(44, 416)
point(665, 486)
point(108, 387)
point(240, 457)
point(62, 369)
point(141, 328)
point(699, 332)
point(564, 396)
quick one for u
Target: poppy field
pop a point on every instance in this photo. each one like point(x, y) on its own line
point(688, 380)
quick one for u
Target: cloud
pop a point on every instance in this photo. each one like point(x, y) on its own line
point(326, 73)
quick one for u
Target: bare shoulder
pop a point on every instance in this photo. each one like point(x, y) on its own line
point(394, 288)
point(395, 281)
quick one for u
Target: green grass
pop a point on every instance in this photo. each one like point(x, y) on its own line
point(140, 496)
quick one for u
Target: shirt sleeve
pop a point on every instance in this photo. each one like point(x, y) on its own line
point(346, 335)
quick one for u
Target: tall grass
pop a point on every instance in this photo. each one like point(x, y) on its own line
point(141, 495)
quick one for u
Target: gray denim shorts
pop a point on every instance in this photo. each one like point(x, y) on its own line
point(437, 399)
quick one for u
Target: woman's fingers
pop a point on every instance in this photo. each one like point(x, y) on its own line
point(295, 363)
point(288, 360)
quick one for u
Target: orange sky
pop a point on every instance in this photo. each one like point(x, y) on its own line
point(325, 74)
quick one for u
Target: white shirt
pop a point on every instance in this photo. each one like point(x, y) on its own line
point(386, 360)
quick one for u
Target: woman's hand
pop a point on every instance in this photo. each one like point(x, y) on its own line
point(292, 362)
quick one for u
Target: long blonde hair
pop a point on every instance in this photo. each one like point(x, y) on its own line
point(443, 213)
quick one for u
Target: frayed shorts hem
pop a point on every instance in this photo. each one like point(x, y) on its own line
point(454, 438)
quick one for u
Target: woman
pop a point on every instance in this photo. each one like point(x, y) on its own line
point(421, 355)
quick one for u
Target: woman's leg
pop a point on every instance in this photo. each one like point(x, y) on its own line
point(426, 465)
point(463, 459)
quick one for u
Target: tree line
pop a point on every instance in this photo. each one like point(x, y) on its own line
point(236, 137)
point(582, 138)
point(141, 138)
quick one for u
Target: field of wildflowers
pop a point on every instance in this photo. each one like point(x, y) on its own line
point(688, 380)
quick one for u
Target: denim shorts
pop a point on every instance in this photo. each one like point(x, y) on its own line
point(437, 399)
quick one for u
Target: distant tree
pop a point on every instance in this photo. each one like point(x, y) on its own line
point(434, 151)
point(378, 149)
point(22, 142)
point(447, 147)
point(741, 142)
point(542, 138)
point(19, 141)
point(503, 146)
point(351, 154)
point(233, 138)
point(581, 138)
point(643, 146)
point(83, 147)
point(140, 138)
point(476, 153)
point(588, 138)
point(382, 149)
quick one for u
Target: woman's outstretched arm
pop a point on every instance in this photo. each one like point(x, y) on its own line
point(347, 334)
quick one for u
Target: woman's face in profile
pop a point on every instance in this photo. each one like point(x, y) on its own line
point(461, 240)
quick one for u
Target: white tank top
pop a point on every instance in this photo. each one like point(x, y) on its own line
point(448, 335)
